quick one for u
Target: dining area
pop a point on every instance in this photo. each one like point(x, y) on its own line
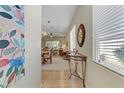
point(46, 55)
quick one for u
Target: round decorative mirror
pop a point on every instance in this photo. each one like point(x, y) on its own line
point(81, 35)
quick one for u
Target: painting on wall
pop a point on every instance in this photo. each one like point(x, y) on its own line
point(81, 35)
point(11, 44)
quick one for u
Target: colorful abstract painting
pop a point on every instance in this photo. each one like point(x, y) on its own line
point(11, 44)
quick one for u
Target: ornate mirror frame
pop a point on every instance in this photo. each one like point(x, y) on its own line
point(81, 35)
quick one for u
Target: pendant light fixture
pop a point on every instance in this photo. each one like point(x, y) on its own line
point(51, 34)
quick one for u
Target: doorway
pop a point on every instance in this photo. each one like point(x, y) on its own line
point(55, 44)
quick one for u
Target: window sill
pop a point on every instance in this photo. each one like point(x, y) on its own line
point(110, 69)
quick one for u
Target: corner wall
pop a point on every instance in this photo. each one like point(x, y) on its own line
point(32, 76)
point(96, 75)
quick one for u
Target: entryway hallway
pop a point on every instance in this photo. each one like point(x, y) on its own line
point(56, 75)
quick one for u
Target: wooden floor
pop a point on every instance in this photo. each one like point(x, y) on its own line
point(59, 79)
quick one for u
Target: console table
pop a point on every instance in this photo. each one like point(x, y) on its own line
point(78, 57)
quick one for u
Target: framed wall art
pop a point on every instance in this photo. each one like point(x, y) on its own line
point(12, 44)
point(81, 35)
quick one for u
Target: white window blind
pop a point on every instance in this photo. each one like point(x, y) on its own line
point(108, 37)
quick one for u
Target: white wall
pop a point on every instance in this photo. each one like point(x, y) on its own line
point(96, 76)
point(32, 47)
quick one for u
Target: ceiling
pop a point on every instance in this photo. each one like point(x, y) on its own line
point(56, 19)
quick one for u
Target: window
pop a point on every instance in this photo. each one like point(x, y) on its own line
point(72, 39)
point(53, 44)
point(108, 37)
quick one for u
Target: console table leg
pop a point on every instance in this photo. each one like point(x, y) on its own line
point(83, 74)
point(70, 69)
